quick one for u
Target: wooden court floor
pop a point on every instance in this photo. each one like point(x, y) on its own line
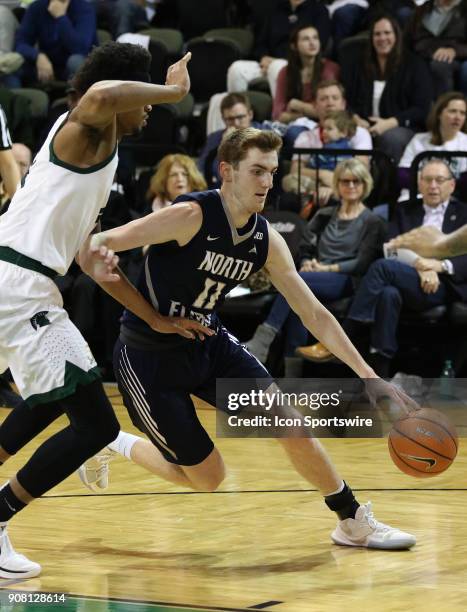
point(262, 542)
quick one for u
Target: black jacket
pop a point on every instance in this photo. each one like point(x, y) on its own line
point(407, 95)
point(273, 38)
point(409, 215)
point(454, 34)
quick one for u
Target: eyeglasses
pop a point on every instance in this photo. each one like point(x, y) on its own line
point(347, 182)
point(439, 180)
point(230, 120)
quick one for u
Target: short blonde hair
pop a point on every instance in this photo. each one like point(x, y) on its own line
point(358, 169)
point(158, 183)
point(235, 145)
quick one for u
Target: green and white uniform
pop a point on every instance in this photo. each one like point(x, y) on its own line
point(48, 220)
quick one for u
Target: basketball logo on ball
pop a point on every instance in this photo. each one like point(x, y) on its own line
point(423, 443)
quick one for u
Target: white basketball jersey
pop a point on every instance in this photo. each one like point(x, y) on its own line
point(57, 207)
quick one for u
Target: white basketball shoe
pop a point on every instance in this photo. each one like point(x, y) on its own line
point(94, 473)
point(364, 530)
point(13, 564)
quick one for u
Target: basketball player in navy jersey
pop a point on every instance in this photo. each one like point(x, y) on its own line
point(203, 246)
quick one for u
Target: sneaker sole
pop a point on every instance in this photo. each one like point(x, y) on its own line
point(382, 546)
point(18, 574)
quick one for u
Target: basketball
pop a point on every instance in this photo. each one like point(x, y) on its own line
point(423, 443)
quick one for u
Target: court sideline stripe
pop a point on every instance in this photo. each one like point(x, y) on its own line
point(174, 605)
point(146, 493)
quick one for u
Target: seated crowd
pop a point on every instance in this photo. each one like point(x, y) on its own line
point(335, 77)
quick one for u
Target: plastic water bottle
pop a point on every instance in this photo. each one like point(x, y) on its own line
point(446, 385)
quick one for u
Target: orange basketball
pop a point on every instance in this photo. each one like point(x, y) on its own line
point(423, 443)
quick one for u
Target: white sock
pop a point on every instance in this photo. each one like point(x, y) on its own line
point(123, 443)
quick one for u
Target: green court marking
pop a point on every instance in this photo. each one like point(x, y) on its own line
point(11, 601)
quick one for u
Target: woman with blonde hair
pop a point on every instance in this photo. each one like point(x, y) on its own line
point(175, 175)
point(339, 244)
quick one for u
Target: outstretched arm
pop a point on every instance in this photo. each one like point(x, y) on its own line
point(322, 324)
point(99, 105)
point(314, 316)
point(179, 222)
point(430, 242)
point(97, 259)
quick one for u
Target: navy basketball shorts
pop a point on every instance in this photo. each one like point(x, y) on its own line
point(156, 387)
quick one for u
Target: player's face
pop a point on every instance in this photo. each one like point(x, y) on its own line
point(329, 99)
point(132, 122)
point(384, 37)
point(253, 178)
point(178, 181)
point(452, 117)
point(435, 184)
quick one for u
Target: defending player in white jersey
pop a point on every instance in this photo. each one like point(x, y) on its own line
point(48, 221)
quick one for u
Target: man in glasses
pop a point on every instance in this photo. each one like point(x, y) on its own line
point(236, 113)
point(404, 278)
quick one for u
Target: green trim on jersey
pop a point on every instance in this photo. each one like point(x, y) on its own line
point(23, 261)
point(58, 162)
point(74, 376)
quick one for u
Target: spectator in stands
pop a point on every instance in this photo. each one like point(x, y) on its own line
point(121, 16)
point(391, 283)
point(9, 60)
point(297, 81)
point(389, 88)
point(446, 132)
point(339, 245)
point(273, 42)
point(236, 113)
point(175, 175)
point(54, 37)
point(330, 96)
point(337, 128)
point(438, 33)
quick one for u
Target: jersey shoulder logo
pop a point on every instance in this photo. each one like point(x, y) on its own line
point(211, 238)
point(258, 236)
point(40, 319)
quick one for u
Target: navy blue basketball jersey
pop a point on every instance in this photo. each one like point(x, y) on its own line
point(192, 280)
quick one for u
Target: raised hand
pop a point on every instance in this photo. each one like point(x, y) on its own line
point(177, 74)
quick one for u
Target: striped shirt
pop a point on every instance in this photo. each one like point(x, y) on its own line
point(5, 138)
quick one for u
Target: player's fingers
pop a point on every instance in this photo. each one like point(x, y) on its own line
point(186, 333)
point(111, 278)
point(186, 58)
point(109, 256)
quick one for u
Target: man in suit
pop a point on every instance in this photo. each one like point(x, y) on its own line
point(424, 283)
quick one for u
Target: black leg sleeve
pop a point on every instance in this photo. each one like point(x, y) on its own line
point(93, 425)
point(24, 423)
